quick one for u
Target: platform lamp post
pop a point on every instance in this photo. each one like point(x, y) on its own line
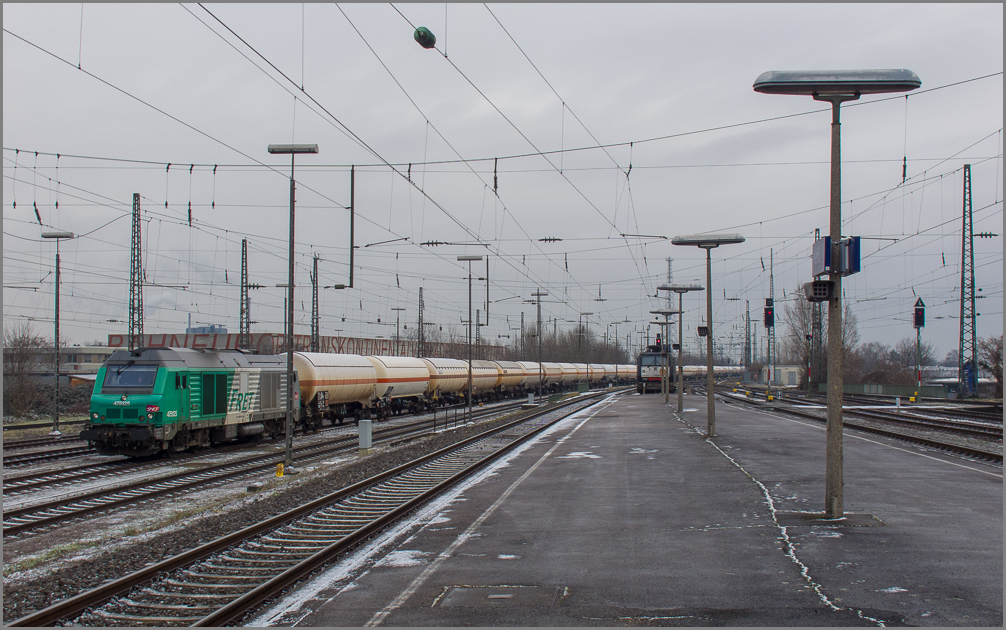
point(469, 260)
point(680, 289)
point(709, 242)
point(586, 344)
point(57, 236)
point(835, 87)
point(292, 150)
point(665, 376)
point(537, 296)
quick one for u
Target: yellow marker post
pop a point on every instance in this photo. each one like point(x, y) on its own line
point(279, 470)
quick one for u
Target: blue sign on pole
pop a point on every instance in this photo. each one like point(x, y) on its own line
point(970, 384)
point(847, 265)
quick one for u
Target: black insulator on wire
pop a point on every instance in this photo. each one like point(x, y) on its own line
point(425, 38)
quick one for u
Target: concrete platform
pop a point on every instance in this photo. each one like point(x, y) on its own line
point(626, 515)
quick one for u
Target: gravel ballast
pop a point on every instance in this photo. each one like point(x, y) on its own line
point(108, 554)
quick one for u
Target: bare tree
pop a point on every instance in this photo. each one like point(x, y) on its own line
point(797, 320)
point(871, 364)
point(951, 360)
point(990, 358)
point(23, 353)
point(905, 350)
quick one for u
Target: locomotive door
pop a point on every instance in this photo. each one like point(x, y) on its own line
point(184, 408)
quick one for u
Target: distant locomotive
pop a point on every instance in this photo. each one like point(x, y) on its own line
point(649, 364)
point(162, 400)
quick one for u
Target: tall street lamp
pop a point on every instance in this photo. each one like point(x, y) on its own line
point(469, 260)
point(292, 150)
point(835, 87)
point(680, 289)
point(57, 236)
point(708, 242)
point(665, 386)
point(586, 343)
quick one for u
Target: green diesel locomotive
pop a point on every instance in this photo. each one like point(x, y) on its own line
point(161, 400)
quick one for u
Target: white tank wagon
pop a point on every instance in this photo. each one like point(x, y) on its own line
point(552, 373)
point(334, 385)
point(569, 373)
point(448, 378)
point(534, 372)
point(581, 372)
point(401, 383)
point(609, 372)
point(486, 376)
point(626, 372)
point(513, 375)
point(596, 375)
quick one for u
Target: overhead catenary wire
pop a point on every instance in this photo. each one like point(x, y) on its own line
point(638, 166)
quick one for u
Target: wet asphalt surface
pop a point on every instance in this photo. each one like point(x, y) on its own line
point(628, 515)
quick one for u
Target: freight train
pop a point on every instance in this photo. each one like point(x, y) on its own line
point(161, 400)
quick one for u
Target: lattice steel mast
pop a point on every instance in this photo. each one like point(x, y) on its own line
point(244, 326)
point(135, 335)
point(315, 320)
point(967, 370)
point(421, 349)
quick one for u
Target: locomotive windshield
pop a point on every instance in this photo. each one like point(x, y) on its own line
point(649, 359)
point(130, 378)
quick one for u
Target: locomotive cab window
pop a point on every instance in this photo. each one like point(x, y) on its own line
point(129, 379)
point(650, 359)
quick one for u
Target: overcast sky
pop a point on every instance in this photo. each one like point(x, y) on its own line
point(501, 125)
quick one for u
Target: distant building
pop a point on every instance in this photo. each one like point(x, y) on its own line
point(78, 364)
point(212, 329)
point(783, 375)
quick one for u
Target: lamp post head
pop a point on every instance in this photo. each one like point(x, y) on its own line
point(287, 149)
point(58, 235)
point(680, 288)
point(833, 82)
point(707, 241)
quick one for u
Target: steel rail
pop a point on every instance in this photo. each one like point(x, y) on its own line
point(101, 500)
point(971, 452)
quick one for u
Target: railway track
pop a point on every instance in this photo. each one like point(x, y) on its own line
point(14, 485)
point(80, 448)
point(10, 445)
point(40, 425)
point(37, 516)
point(951, 420)
point(955, 448)
point(221, 581)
